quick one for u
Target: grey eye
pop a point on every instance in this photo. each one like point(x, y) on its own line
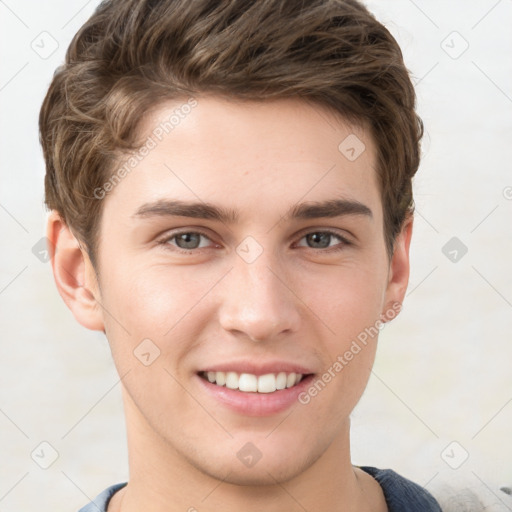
point(319, 240)
point(188, 240)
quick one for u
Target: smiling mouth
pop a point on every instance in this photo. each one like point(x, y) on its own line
point(250, 383)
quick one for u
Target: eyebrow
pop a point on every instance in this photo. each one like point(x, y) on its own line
point(330, 208)
point(200, 210)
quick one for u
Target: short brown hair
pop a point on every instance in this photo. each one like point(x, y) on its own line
point(133, 54)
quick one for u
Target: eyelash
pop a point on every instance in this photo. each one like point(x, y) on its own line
point(343, 241)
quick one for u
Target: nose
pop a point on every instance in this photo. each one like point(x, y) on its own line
point(257, 302)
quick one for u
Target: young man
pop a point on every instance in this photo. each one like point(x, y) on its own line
point(231, 203)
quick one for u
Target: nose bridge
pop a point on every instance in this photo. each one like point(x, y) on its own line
point(257, 301)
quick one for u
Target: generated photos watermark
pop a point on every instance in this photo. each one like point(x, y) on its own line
point(344, 359)
point(157, 135)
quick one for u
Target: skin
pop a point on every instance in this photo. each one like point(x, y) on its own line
point(299, 301)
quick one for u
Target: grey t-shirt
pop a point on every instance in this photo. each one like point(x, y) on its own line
point(401, 494)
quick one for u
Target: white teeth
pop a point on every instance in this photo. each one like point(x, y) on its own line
point(220, 378)
point(281, 380)
point(248, 382)
point(267, 383)
point(232, 380)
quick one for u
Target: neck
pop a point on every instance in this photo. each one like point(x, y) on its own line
point(163, 480)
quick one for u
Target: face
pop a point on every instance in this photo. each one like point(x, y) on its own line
point(245, 242)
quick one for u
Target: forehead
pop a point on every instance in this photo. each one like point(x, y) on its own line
point(250, 154)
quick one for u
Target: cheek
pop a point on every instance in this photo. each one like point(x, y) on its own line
point(350, 301)
point(155, 303)
point(153, 323)
point(157, 297)
point(349, 311)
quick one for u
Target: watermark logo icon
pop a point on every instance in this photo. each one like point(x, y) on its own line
point(45, 45)
point(249, 249)
point(147, 352)
point(44, 455)
point(41, 249)
point(454, 45)
point(249, 455)
point(455, 455)
point(454, 249)
point(352, 147)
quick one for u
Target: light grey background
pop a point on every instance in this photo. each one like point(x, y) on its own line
point(442, 383)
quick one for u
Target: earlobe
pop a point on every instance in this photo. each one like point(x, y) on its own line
point(73, 274)
point(399, 267)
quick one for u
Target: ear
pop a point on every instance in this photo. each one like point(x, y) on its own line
point(398, 274)
point(74, 274)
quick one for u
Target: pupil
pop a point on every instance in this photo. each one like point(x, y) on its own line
point(319, 239)
point(188, 240)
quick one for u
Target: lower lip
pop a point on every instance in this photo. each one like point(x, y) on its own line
point(256, 404)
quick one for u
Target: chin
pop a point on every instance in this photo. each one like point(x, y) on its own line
point(262, 474)
point(246, 465)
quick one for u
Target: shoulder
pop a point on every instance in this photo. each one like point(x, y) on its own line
point(402, 495)
point(100, 503)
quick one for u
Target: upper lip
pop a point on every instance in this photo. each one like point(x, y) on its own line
point(255, 368)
